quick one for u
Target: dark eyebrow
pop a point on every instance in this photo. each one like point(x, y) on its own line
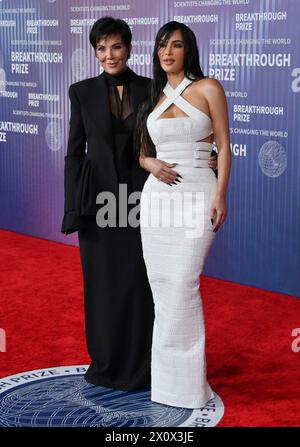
point(177, 40)
point(116, 43)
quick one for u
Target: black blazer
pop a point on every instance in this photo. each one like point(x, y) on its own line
point(89, 163)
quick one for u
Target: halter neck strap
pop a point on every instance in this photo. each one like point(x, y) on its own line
point(173, 96)
point(175, 92)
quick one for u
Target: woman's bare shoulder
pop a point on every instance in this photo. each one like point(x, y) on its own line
point(209, 88)
point(207, 83)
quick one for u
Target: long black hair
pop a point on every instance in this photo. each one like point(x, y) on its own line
point(192, 70)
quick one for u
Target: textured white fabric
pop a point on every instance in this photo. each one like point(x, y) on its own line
point(174, 259)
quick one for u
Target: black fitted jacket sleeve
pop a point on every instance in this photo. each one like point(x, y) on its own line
point(73, 160)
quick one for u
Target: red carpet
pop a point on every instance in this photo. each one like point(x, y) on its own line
point(250, 361)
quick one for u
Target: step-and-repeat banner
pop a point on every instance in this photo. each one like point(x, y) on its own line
point(250, 46)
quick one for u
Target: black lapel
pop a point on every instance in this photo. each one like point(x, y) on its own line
point(100, 109)
point(139, 91)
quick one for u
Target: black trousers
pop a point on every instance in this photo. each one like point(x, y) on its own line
point(119, 309)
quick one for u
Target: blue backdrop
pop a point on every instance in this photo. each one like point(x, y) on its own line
point(251, 46)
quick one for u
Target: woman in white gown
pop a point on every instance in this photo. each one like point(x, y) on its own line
point(183, 204)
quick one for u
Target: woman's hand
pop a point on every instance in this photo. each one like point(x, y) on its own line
point(218, 209)
point(162, 170)
point(213, 162)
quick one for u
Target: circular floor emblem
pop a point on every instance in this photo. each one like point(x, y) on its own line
point(61, 397)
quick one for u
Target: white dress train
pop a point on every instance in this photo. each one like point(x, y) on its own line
point(175, 249)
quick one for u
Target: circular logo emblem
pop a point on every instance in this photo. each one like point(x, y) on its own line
point(272, 159)
point(57, 397)
point(79, 64)
point(53, 136)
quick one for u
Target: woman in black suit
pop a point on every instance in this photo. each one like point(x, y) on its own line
point(100, 157)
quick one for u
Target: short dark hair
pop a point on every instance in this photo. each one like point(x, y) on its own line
point(107, 26)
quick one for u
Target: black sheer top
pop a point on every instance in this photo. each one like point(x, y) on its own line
point(122, 124)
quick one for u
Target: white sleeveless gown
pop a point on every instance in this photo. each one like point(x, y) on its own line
point(174, 252)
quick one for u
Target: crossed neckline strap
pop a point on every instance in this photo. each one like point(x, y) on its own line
point(173, 93)
point(174, 96)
